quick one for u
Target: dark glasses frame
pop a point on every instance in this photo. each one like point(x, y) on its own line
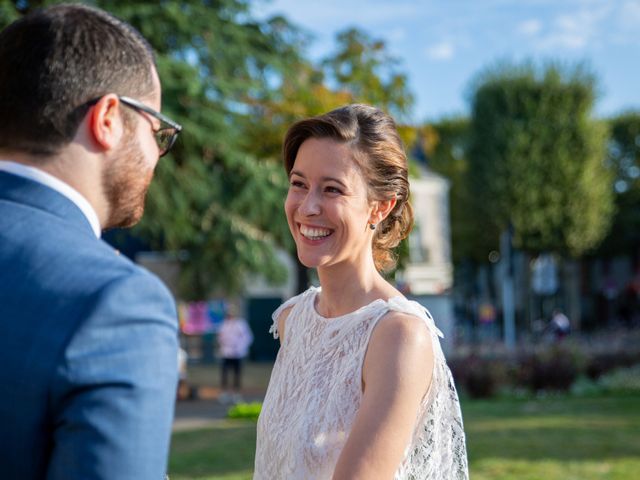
point(167, 134)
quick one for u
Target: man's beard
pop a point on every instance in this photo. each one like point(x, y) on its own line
point(125, 182)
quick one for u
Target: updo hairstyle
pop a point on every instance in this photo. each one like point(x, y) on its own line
point(378, 153)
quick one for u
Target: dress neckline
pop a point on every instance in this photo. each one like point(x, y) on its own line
point(316, 291)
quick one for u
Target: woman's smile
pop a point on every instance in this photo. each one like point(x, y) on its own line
point(314, 233)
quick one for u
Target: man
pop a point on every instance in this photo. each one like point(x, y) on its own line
point(88, 340)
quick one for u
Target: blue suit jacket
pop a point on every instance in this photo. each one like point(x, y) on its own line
point(88, 348)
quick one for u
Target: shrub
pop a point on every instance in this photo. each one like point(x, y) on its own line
point(622, 380)
point(557, 369)
point(483, 374)
point(554, 369)
point(249, 411)
point(480, 383)
point(585, 386)
point(479, 377)
point(602, 363)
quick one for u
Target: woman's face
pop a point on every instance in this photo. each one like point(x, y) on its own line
point(327, 205)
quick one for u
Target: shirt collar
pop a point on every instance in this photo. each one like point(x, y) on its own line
point(44, 178)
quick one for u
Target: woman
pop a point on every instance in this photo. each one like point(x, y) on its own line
point(234, 339)
point(360, 388)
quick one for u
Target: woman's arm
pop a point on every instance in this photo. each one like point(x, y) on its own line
point(397, 372)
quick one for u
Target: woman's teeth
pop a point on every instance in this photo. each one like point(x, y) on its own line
point(314, 233)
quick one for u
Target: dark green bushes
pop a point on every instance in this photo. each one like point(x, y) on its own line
point(552, 368)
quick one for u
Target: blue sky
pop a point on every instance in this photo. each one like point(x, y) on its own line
point(443, 44)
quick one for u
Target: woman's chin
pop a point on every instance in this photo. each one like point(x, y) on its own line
point(308, 263)
point(311, 261)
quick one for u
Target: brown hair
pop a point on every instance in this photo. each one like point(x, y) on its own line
point(379, 153)
point(54, 62)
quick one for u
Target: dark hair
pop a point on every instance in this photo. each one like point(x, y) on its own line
point(378, 152)
point(53, 62)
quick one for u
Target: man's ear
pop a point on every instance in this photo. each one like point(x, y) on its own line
point(106, 124)
point(381, 209)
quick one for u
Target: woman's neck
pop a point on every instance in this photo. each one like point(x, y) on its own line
point(347, 287)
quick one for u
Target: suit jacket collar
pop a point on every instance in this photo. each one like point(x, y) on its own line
point(15, 188)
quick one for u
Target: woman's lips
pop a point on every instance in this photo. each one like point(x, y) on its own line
point(314, 232)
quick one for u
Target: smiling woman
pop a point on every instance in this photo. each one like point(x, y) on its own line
point(327, 206)
point(360, 388)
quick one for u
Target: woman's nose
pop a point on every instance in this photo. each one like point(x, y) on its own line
point(310, 205)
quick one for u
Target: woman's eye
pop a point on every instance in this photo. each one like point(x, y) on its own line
point(333, 190)
point(297, 183)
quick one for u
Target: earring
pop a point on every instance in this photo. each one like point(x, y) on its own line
point(372, 226)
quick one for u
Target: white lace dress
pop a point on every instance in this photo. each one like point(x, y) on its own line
point(315, 392)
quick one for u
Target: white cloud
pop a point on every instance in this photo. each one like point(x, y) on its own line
point(627, 24)
point(529, 27)
point(563, 40)
point(577, 31)
point(443, 50)
point(630, 14)
point(396, 35)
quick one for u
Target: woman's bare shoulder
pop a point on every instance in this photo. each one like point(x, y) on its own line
point(401, 330)
point(401, 345)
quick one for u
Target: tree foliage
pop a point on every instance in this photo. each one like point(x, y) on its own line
point(363, 67)
point(360, 70)
point(623, 159)
point(536, 159)
point(212, 199)
point(446, 143)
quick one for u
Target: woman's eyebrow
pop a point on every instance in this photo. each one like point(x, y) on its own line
point(324, 179)
point(333, 179)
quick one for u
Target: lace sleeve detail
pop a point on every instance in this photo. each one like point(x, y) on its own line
point(403, 305)
point(276, 315)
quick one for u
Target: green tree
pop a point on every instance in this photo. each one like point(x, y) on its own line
point(215, 200)
point(360, 70)
point(364, 67)
point(536, 159)
point(624, 160)
point(447, 145)
point(299, 92)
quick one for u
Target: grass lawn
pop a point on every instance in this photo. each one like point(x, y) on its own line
point(552, 439)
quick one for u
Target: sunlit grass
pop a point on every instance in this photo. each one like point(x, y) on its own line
point(559, 438)
point(225, 451)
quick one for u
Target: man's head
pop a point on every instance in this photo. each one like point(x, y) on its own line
point(63, 73)
point(54, 63)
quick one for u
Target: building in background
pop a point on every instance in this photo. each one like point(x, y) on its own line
point(428, 275)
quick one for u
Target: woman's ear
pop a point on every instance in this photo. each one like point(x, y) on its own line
point(381, 210)
point(106, 125)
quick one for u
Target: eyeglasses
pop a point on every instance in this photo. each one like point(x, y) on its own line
point(168, 131)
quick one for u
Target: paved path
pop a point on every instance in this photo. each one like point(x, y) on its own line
point(205, 411)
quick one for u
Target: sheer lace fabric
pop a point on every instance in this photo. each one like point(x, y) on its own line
point(315, 392)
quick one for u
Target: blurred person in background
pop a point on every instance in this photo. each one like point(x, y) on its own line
point(234, 339)
point(560, 325)
point(360, 387)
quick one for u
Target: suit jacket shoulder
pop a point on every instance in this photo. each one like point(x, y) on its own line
point(88, 345)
